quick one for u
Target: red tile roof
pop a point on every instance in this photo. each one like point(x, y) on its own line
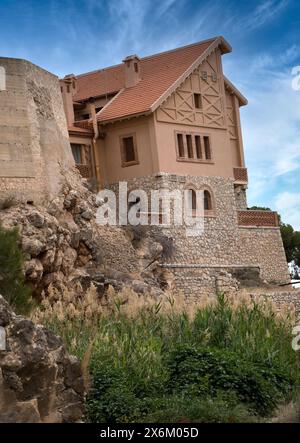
point(95, 84)
point(160, 73)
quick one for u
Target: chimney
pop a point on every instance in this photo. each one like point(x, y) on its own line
point(132, 70)
point(68, 89)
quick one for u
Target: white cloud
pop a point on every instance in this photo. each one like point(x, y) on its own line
point(265, 12)
point(288, 205)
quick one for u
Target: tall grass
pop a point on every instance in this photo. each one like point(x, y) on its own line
point(132, 339)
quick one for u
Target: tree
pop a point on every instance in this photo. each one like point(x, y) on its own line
point(12, 286)
point(291, 242)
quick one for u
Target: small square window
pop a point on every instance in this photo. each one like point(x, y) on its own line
point(128, 151)
point(198, 101)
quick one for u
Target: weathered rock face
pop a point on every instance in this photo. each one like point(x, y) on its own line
point(61, 242)
point(39, 381)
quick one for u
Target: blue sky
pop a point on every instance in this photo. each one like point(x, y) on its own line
point(77, 36)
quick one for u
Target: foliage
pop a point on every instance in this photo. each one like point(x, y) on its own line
point(171, 361)
point(291, 242)
point(199, 371)
point(12, 285)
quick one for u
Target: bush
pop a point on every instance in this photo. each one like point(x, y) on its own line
point(205, 371)
point(169, 361)
point(12, 285)
point(182, 409)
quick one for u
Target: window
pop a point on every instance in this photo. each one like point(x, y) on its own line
point(136, 67)
point(198, 147)
point(193, 147)
point(85, 116)
point(192, 201)
point(207, 147)
point(76, 151)
point(207, 201)
point(128, 150)
point(198, 101)
point(180, 145)
point(189, 145)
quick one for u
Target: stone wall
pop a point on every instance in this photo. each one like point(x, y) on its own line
point(223, 244)
point(34, 142)
point(282, 298)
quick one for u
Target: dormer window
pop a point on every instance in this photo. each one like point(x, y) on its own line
point(136, 67)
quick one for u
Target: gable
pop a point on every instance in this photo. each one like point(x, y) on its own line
point(206, 80)
point(231, 115)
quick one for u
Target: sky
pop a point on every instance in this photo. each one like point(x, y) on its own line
point(76, 36)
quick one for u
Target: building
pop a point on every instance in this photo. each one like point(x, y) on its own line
point(172, 120)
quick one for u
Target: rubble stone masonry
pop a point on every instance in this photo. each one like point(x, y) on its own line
point(202, 264)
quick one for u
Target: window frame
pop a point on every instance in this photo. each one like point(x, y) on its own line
point(198, 100)
point(80, 152)
point(125, 163)
point(195, 159)
point(209, 213)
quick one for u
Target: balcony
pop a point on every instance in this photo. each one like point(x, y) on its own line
point(240, 175)
point(85, 124)
point(267, 219)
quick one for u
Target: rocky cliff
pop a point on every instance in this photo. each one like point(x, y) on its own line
point(39, 381)
point(63, 244)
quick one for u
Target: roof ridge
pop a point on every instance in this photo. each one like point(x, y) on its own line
point(180, 47)
point(152, 55)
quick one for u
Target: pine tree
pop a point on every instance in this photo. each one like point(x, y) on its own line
point(12, 286)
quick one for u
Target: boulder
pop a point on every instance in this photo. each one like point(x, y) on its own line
point(36, 219)
point(39, 381)
point(32, 246)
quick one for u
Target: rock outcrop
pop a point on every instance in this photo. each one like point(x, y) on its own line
point(62, 243)
point(39, 381)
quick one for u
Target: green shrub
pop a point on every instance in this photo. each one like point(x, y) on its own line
point(205, 371)
point(223, 363)
point(180, 409)
point(12, 285)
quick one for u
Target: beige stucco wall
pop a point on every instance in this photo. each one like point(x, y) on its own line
point(109, 150)
point(155, 133)
point(218, 118)
point(34, 142)
point(221, 165)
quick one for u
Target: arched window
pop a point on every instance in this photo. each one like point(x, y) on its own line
point(207, 201)
point(192, 199)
